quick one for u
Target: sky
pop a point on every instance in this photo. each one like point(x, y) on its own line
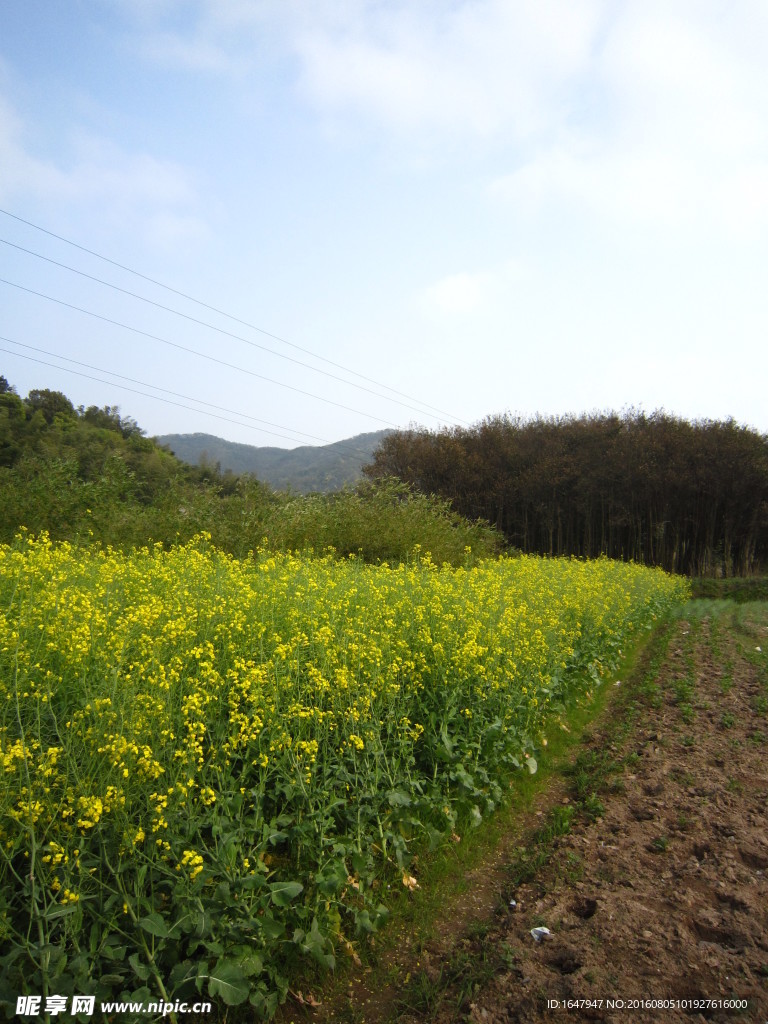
point(284, 222)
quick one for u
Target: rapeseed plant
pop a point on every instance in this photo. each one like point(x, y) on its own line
point(199, 752)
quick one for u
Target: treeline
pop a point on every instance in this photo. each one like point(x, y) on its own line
point(91, 475)
point(690, 497)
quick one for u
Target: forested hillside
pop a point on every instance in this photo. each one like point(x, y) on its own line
point(304, 469)
point(691, 497)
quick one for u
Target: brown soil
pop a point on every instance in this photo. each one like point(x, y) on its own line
point(663, 896)
point(671, 902)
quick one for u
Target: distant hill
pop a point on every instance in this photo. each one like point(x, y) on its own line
point(325, 468)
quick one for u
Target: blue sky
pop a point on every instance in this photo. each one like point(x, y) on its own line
point(533, 206)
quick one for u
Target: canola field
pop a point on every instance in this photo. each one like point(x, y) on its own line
point(214, 771)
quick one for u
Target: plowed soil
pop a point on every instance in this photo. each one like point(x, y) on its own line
point(653, 885)
point(670, 908)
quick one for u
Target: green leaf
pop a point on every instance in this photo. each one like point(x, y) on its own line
point(315, 943)
point(363, 922)
point(58, 962)
point(55, 911)
point(332, 878)
point(265, 1005)
point(141, 970)
point(251, 964)
point(248, 882)
point(224, 892)
point(181, 972)
point(271, 929)
point(282, 893)
point(447, 741)
point(114, 952)
point(111, 980)
point(228, 981)
point(201, 925)
point(532, 764)
point(155, 925)
point(359, 862)
point(142, 995)
point(397, 798)
point(184, 922)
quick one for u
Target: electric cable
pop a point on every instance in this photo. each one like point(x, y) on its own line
point(155, 387)
point(229, 316)
point(145, 394)
point(192, 351)
point(189, 398)
point(212, 327)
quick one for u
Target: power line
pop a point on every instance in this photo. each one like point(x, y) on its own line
point(188, 398)
point(134, 391)
point(155, 387)
point(229, 316)
point(145, 394)
point(192, 351)
point(212, 327)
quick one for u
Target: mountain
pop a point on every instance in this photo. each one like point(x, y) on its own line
point(325, 468)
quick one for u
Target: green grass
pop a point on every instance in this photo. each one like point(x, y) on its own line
point(739, 589)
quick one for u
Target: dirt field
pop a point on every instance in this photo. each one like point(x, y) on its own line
point(664, 897)
point(649, 868)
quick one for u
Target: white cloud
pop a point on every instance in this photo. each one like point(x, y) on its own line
point(205, 36)
point(642, 113)
point(636, 187)
point(686, 142)
point(103, 169)
point(468, 292)
point(19, 170)
point(467, 69)
point(157, 197)
point(644, 188)
point(470, 68)
point(640, 75)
